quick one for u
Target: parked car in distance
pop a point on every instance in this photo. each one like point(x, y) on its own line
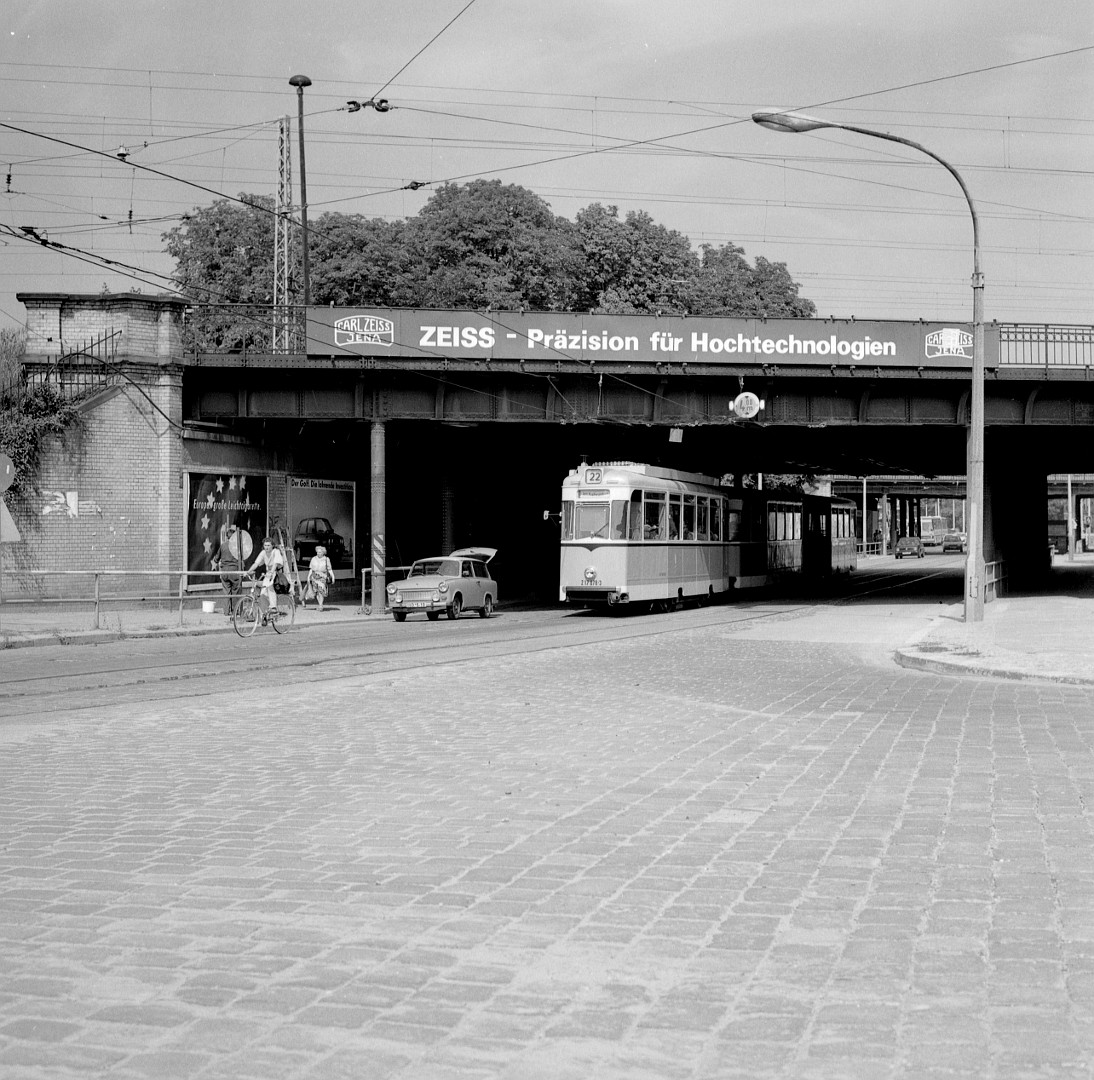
point(953, 541)
point(312, 531)
point(449, 583)
point(911, 546)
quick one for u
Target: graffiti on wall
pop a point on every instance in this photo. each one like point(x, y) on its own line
point(69, 504)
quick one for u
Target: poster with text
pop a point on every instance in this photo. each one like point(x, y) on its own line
point(215, 501)
point(321, 513)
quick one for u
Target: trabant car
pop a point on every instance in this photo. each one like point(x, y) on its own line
point(953, 541)
point(911, 546)
point(451, 583)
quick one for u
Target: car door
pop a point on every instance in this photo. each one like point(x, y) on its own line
point(472, 586)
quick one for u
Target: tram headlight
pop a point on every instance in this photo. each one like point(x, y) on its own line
point(590, 573)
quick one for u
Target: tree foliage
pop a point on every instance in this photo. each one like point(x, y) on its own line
point(224, 256)
point(484, 244)
point(28, 415)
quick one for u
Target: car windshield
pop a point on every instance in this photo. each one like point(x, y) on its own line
point(428, 567)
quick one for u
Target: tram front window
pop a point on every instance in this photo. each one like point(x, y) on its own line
point(591, 521)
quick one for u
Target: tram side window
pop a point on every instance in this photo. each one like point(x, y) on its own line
point(795, 524)
point(733, 526)
point(689, 517)
point(655, 515)
point(567, 520)
point(772, 524)
point(716, 519)
point(634, 530)
point(674, 517)
point(702, 518)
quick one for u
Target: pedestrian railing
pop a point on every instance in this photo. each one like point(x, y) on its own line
point(391, 573)
point(995, 580)
point(193, 587)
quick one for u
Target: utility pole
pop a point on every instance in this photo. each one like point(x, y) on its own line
point(300, 81)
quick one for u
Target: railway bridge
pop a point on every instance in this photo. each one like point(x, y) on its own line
point(427, 429)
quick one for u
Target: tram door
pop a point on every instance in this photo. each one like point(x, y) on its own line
point(816, 536)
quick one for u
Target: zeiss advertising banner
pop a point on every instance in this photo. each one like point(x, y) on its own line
point(416, 334)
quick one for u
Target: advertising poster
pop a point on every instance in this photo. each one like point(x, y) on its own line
point(215, 501)
point(322, 512)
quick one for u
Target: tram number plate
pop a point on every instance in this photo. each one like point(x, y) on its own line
point(591, 581)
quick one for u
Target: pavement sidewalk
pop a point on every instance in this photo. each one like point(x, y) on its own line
point(25, 625)
point(1049, 636)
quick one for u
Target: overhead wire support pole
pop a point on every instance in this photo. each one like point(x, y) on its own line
point(282, 299)
point(975, 570)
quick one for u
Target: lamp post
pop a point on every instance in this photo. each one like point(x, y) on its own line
point(300, 81)
point(795, 122)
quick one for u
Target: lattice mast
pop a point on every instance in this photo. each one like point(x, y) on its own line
point(282, 291)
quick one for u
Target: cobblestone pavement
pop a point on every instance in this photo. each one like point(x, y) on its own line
point(706, 854)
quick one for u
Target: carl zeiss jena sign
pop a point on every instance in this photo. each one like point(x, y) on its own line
point(417, 333)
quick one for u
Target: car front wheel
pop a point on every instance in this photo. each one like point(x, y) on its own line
point(400, 616)
point(455, 607)
point(487, 608)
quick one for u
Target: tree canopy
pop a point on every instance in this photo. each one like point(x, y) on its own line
point(483, 244)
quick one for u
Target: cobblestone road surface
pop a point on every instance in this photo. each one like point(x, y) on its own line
point(704, 855)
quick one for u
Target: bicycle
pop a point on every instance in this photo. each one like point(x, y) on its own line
point(247, 614)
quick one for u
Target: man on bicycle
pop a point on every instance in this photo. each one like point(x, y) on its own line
point(272, 560)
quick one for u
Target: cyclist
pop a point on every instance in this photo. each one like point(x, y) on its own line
point(272, 560)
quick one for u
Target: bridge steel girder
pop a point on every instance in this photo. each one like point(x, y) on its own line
point(641, 397)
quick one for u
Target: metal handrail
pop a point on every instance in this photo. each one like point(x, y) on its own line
point(366, 585)
point(995, 580)
point(185, 593)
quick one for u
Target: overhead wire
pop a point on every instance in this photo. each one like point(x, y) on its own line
point(656, 141)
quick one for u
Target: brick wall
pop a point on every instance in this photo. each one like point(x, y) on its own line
point(110, 493)
point(144, 327)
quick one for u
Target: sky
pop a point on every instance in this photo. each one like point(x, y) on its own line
point(132, 112)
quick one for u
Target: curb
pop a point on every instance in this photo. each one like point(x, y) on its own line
point(914, 662)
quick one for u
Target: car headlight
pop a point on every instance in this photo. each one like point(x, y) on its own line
point(391, 590)
point(443, 587)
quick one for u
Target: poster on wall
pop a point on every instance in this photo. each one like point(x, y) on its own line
point(215, 501)
point(321, 513)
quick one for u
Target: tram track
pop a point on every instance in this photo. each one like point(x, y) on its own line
point(307, 657)
point(137, 669)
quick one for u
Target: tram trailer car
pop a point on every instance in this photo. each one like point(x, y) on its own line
point(829, 545)
point(642, 534)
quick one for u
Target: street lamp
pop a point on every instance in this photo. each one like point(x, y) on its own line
point(795, 122)
point(300, 81)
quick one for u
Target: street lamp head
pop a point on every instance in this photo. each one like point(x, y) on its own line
point(785, 120)
point(300, 81)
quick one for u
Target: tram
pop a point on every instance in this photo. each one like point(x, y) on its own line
point(647, 535)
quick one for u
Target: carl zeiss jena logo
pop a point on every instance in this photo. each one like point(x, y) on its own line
point(949, 342)
point(364, 330)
